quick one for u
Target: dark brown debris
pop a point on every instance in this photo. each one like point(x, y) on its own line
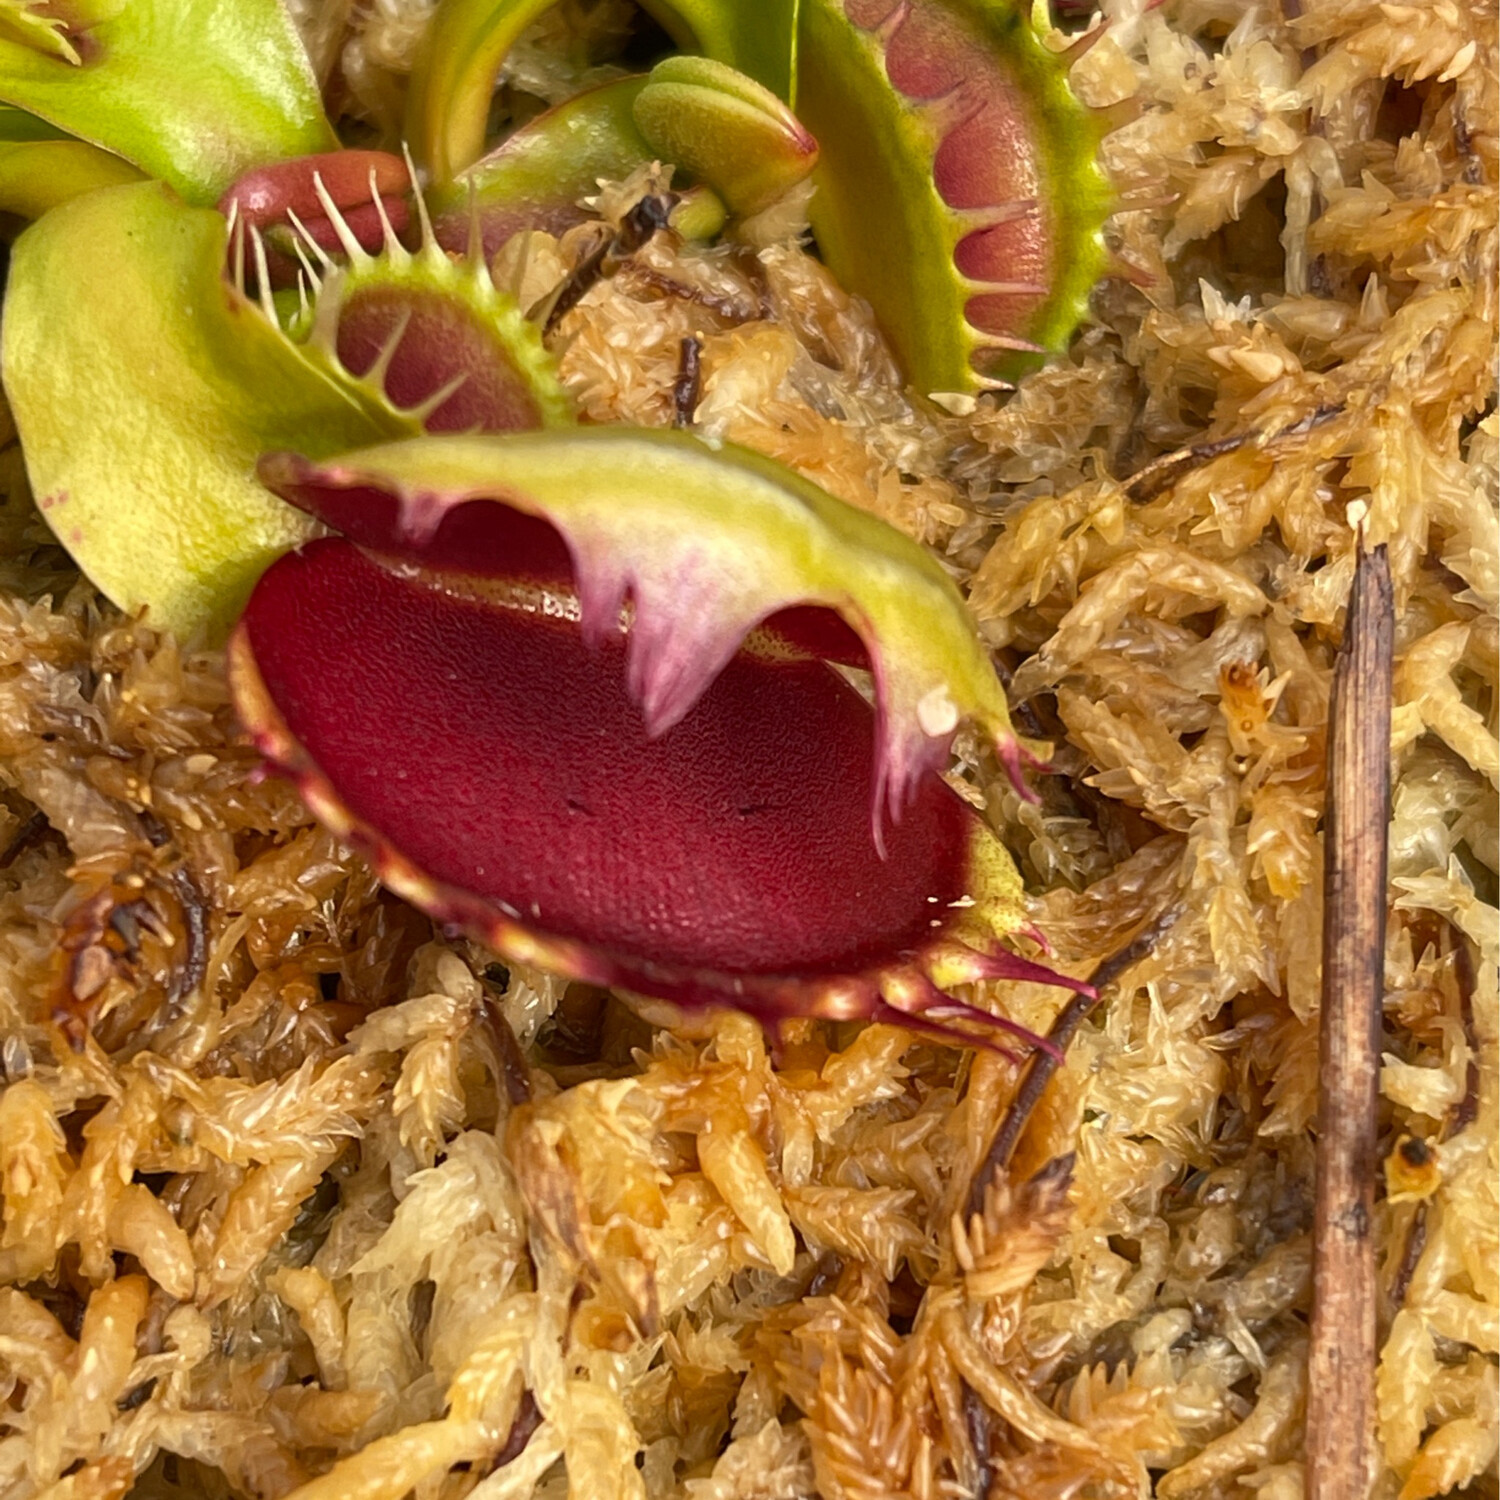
point(29, 834)
point(509, 1061)
point(687, 389)
point(638, 225)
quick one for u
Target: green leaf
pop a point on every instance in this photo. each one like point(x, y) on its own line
point(143, 398)
point(193, 93)
point(40, 166)
point(448, 99)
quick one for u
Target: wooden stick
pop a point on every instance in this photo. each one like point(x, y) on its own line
point(1341, 1454)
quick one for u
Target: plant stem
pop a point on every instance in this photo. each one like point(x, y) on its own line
point(1341, 1360)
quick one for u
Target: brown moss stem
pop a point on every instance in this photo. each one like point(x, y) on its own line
point(1162, 473)
point(1466, 1111)
point(508, 1061)
point(1042, 1065)
point(1341, 1360)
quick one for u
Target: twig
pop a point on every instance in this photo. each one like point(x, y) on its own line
point(1341, 1359)
point(687, 389)
point(1466, 1111)
point(1162, 473)
point(1043, 1065)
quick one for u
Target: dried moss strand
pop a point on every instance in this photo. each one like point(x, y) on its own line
point(195, 922)
point(1342, 1358)
point(1162, 473)
point(1466, 1111)
point(1044, 1064)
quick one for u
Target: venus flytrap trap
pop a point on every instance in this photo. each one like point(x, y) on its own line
point(427, 335)
point(725, 128)
point(959, 189)
point(575, 690)
point(611, 742)
point(143, 407)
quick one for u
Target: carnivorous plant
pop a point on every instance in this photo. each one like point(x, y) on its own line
point(582, 691)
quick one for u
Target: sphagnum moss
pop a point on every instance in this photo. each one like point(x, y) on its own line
point(279, 1217)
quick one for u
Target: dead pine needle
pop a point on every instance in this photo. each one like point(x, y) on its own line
point(1342, 1358)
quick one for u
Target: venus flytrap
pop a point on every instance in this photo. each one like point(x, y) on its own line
point(578, 691)
point(959, 189)
point(611, 738)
